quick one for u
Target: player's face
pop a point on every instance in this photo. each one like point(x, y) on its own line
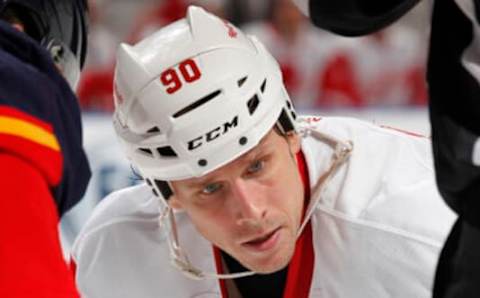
point(250, 208)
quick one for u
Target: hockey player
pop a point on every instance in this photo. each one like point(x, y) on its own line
point(242, 198)
point(44, 168)
point(453, 80)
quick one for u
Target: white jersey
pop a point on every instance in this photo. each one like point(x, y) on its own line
point(377, 229)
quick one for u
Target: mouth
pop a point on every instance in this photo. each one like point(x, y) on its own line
point(264, 242)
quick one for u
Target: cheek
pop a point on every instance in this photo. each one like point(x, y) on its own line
point(290, 193)
point(213, 226)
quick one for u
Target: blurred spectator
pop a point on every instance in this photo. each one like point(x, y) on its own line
point(156, 15)
point(95, 87)
point(96, 90)
point(244, 11)
point(297, 46)
point(320, 69)
point(217, 7)
point(385, 68)
point(160, 13)
point(102, 41)
point(336, 80)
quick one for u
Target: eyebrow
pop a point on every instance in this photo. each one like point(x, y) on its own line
point(247, 156)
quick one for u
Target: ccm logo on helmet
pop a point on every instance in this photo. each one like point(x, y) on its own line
point(212, 134)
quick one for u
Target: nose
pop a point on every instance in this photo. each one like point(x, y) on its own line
point(248, 202)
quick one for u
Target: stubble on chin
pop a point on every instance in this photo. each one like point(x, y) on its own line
point(270, 264)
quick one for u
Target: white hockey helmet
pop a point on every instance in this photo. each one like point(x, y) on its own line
point(194, 96)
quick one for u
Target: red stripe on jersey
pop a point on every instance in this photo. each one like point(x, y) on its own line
point(403, 131)
point(47, 161)
point(15, 113)
point(218, 264)
point(300, 269)
point(31, 258)
point(73, 267)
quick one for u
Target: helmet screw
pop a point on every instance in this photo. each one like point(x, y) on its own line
point(243, 141)
point(202, 162)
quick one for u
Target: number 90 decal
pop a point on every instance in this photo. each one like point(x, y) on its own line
point(171, 79)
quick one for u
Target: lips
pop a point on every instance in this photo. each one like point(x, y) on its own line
point(263, 242)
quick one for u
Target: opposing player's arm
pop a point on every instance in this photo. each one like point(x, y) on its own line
point(30, 254)
point(354, 17)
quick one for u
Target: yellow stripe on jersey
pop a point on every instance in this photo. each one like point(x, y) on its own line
point(27, 130)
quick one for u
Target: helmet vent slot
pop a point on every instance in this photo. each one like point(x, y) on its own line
point(242, 81)
point(146, 151)
point(166, 151)
point(252, 104)
point(289, 105)
point(164, 188)
point(262, 87)
point(285, 123)
point(197, 103)
point(153, 129)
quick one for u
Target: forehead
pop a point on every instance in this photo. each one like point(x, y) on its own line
point(267, 142)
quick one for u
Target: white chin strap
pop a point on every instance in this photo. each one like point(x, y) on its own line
point(178, 257)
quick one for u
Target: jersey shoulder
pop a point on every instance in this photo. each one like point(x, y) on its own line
point(126, 209)
point(350, 125)
point(25, 130)
point(135, 203)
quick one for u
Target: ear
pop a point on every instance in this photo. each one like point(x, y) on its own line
point(294, 142)
point(18, 26)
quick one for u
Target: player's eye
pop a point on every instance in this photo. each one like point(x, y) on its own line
point(256, 166)
point(211, 188)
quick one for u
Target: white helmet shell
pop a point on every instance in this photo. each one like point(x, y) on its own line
point(194, 96)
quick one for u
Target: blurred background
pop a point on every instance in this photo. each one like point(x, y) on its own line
point(379, 78)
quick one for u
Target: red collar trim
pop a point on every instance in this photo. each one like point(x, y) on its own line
point(218, 264)
point(300, 269)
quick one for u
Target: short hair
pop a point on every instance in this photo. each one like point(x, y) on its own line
point(10, 15)
point(16, 14)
